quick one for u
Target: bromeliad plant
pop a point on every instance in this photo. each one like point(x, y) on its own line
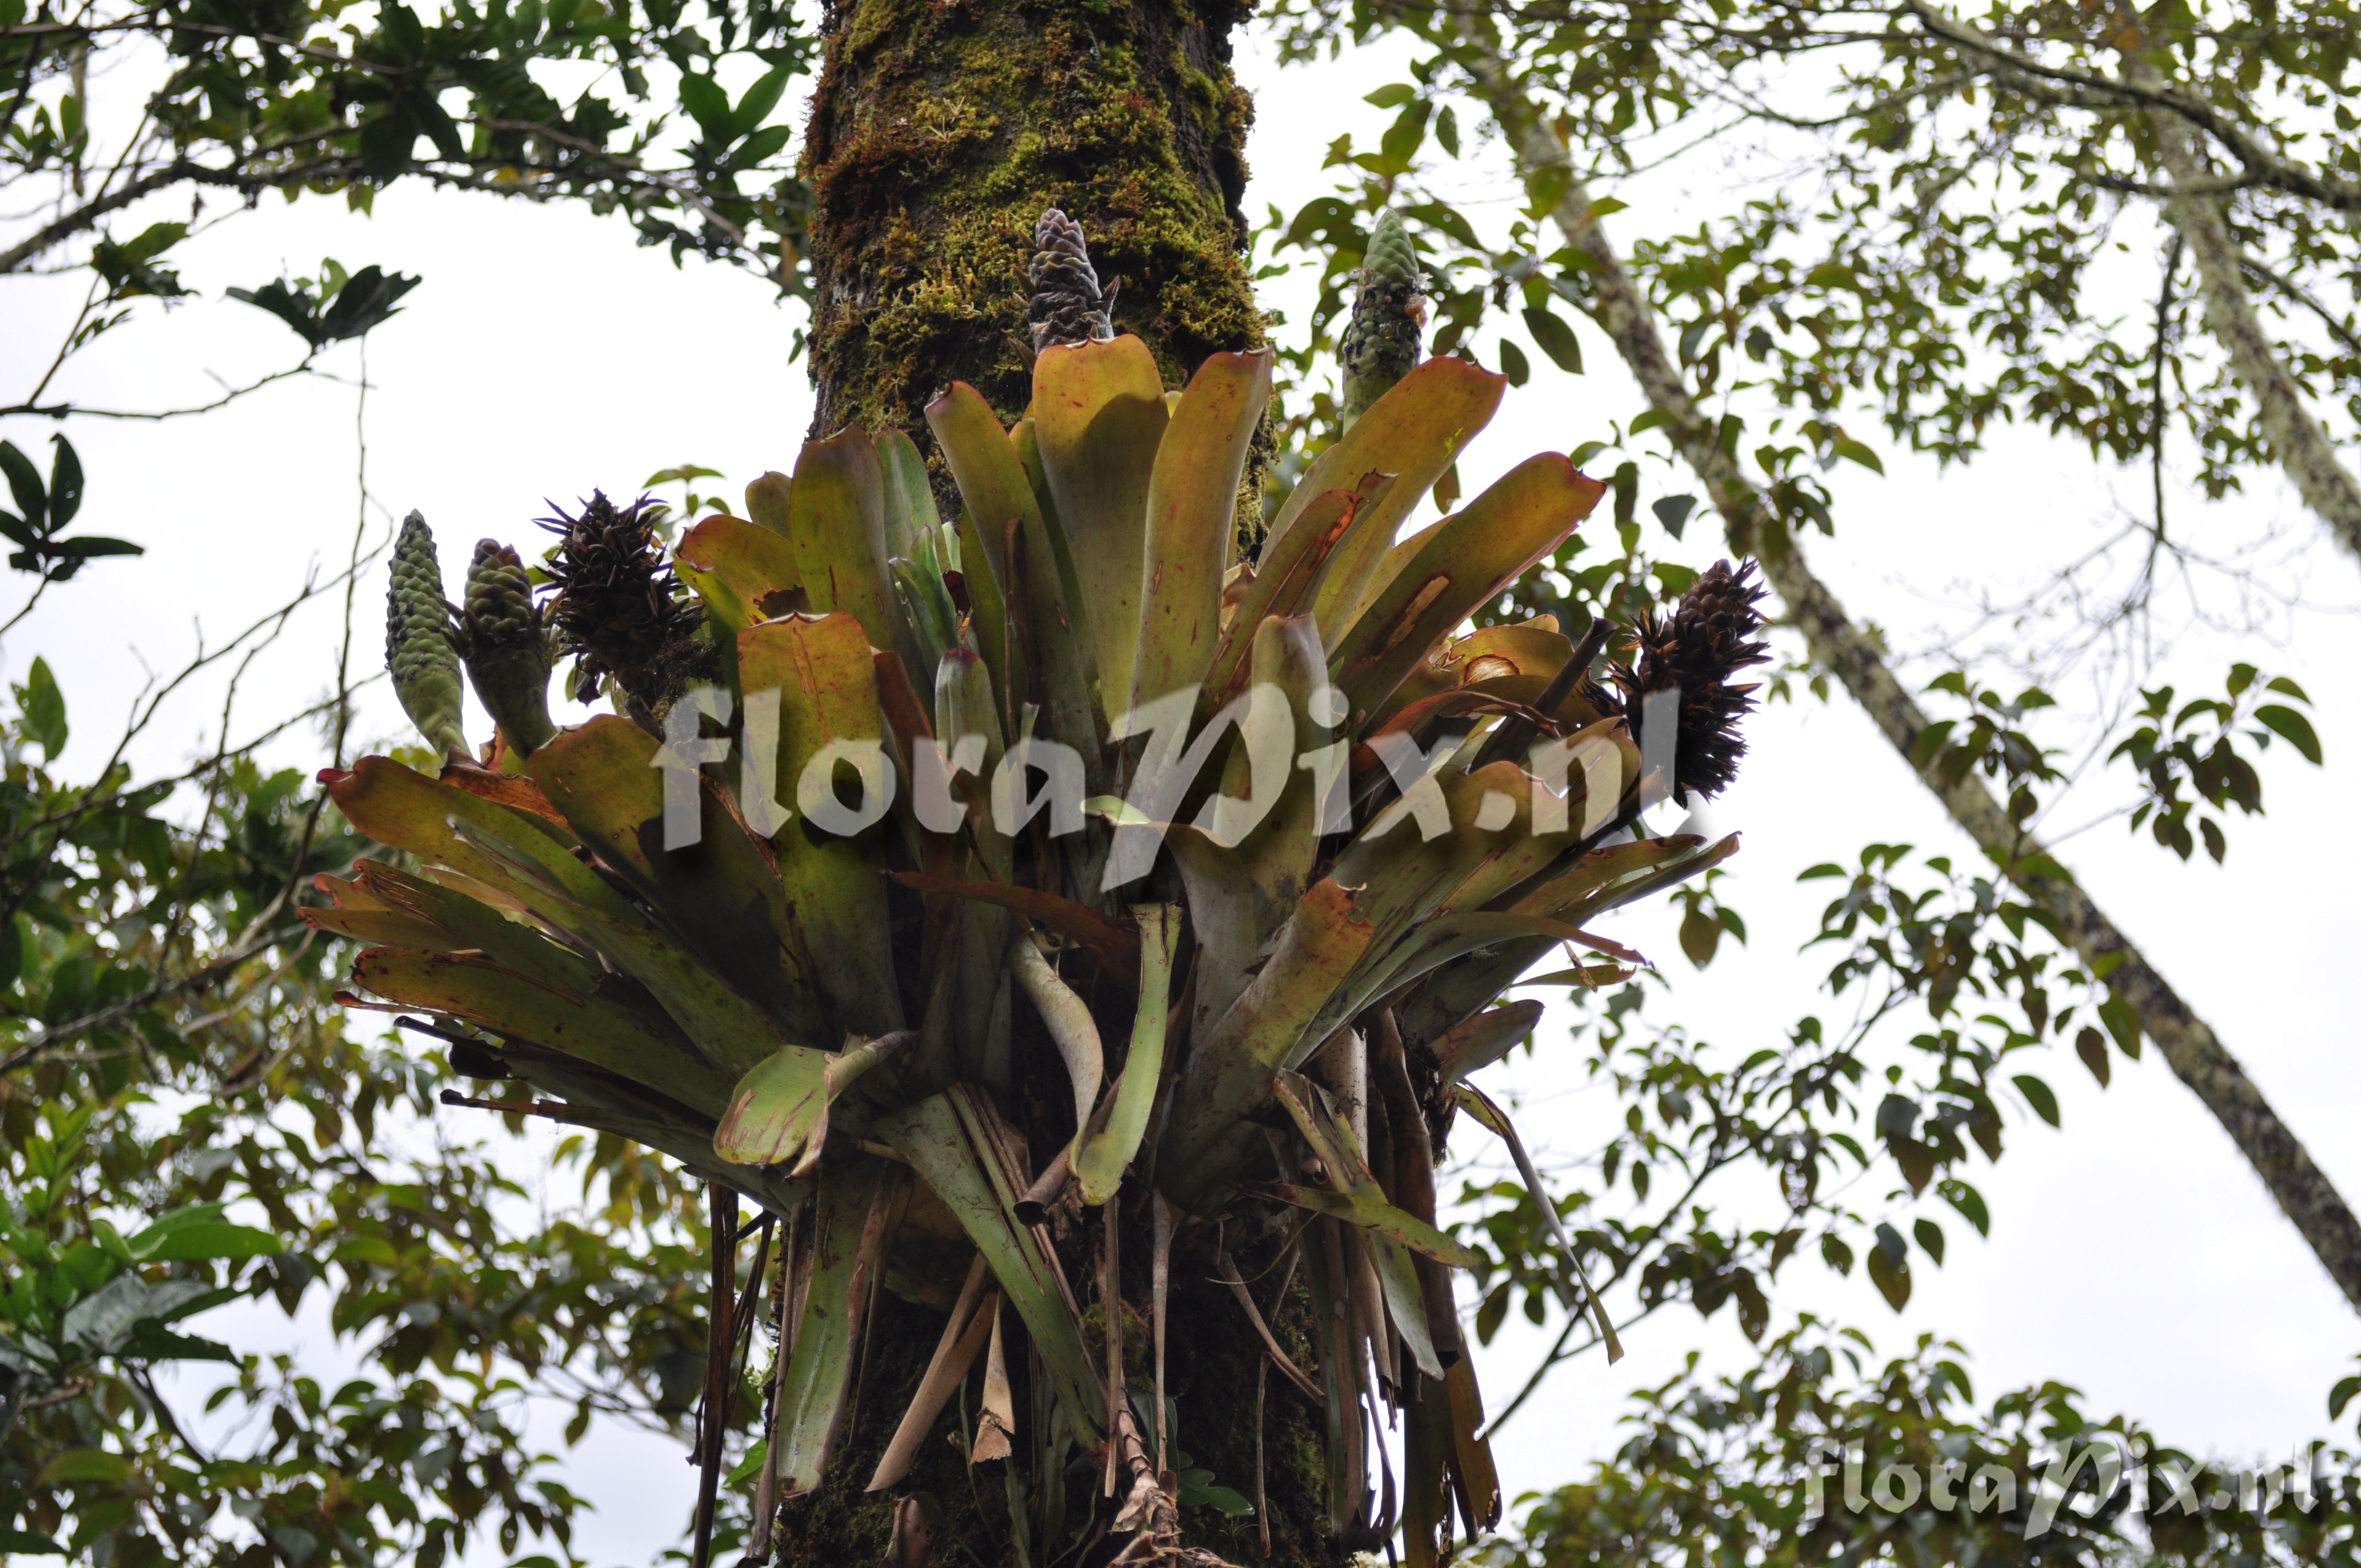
point(996, 898)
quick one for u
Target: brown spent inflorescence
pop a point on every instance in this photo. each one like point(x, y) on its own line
point(1705, 639)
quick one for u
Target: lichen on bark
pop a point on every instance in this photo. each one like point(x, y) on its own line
point(941, 128)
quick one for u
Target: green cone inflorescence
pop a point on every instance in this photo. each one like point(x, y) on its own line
point(1068, 306)
point(418, 650)
point(1381, 342)
point(507, 649)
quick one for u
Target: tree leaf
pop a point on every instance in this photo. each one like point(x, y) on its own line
point(706, 104)
point(2092, 1047)
point(86, 1465)
point(2291, 726)
point(65, 468)
point(1891, 1278)
point(2038, 1094)
point(44, 708)
point(208, 1239)
point(760, 100)
point(1555, 338)
point(1513, 363)
point(25, 484)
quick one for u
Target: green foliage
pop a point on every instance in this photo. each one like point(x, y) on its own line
point(193, 1150)
point(43, 510)
point(2187, 757)
point(338, 308)
point(326, 99)
point(1775, 1464)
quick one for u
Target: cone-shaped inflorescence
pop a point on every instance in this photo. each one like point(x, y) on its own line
point(1708, 638)
point(507, 649)
point(1068, 306)
point(619, 610)
point(1381, 342)
point(688, 998)
point(418, 650)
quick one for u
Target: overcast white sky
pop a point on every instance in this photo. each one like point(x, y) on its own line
point(2132, 1255)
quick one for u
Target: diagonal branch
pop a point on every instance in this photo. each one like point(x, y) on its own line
point(2088, 90)
point(2305, 451)
point(2190, 1048)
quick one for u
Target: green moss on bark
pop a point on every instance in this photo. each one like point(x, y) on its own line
point(939, 133)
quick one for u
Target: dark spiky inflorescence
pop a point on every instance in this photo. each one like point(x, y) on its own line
point(1706, 638)
point(1068, 306)
point(418, 649)
point(619, 610)
point(507, 649)
point(1381, 342)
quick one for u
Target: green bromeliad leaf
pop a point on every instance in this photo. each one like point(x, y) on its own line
point(743, 571)
point(850, 824)
point(1098, 418)
point(850, 1220)
point(1435, 580)
point(1415, 432)
point(825, 700)
point(726, 899)
point(1191, 511)
point(1105, 1154)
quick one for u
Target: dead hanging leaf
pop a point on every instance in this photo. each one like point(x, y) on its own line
point(934, 1393)
point(996, 1429)
point(912, 1544)
point(1114, 946)
point(1491, 1116)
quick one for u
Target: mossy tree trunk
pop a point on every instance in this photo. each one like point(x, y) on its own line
point(940, 131)
point(941, 128)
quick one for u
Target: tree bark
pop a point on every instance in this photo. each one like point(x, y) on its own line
point(2303, 445)
point(939, 133)
point(2190, 1048)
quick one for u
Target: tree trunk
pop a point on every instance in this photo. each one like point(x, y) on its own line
point(2190, 1048)
point(940, 131)
point(1210, 1376)
point(2306, 453)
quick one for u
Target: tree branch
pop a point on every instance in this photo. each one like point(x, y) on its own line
point(2305, 451)
point(2190, 1048)
point(2262, 165)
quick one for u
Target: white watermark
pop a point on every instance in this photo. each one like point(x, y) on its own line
point(2082, 1475)
point(848, 784)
